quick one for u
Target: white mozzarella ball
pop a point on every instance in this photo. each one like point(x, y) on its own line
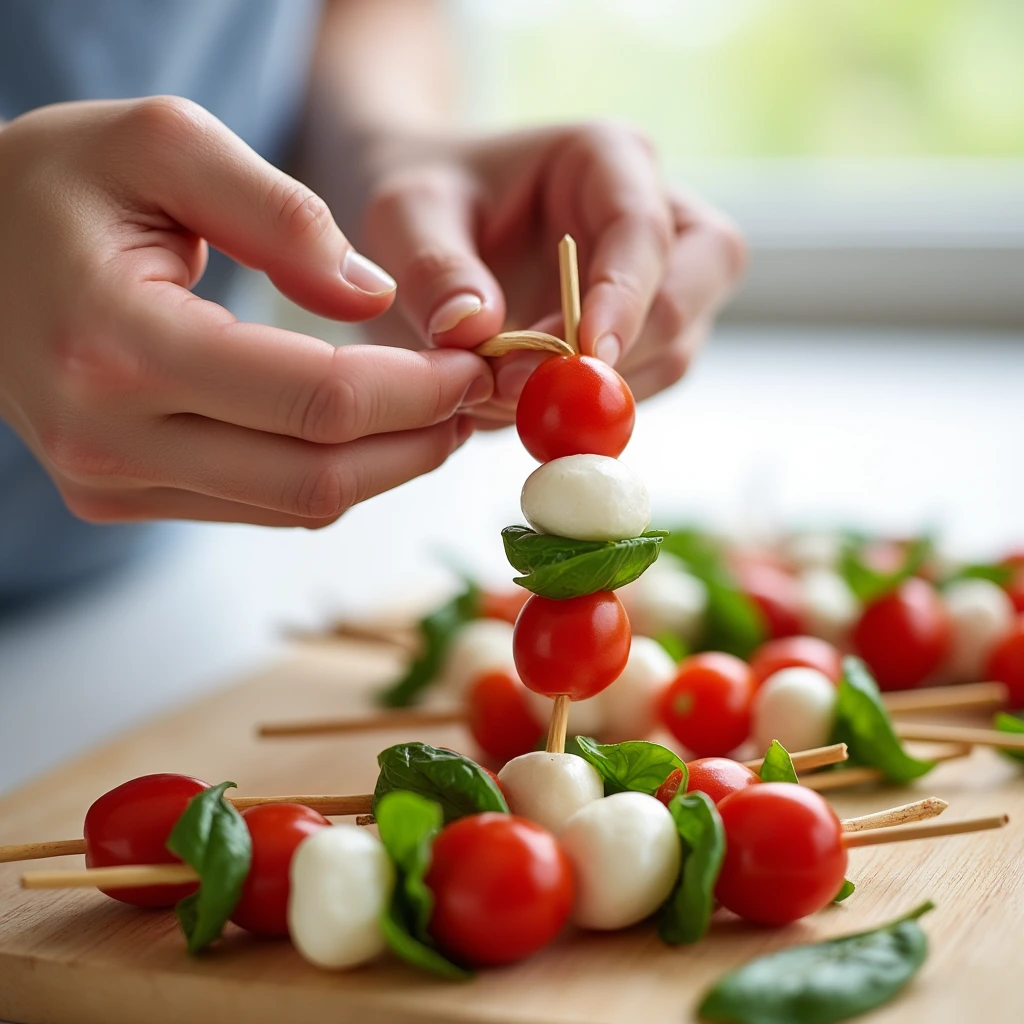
point(549, 788)
point(586, 497)
point(828, 606)
point(341, 881)
point(814, 549)
point(586, 717)
point(981, 614)
point(626, 855)
point(628, 705)
point(483, 645)
point(666, 599)
point(795, 706)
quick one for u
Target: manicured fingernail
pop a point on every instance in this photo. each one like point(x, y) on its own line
point(608, 349)
point(453, 311)
point(365, 275)
point(479, 391)
point(511, 379)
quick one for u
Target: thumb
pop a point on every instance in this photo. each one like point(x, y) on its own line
point(421, 226)
point(210, 181)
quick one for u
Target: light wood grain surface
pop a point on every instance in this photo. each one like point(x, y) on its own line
point(75, 957)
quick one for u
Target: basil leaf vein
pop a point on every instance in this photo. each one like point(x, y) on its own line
point(777, 765)
point(638, 766)
point(454, 781)
point(211, 837)
point(823, 982)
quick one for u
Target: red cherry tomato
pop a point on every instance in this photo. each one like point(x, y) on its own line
point(719, 776)
point(904, 636)
point(784, 853)
point(574, 405)
point(1006, 665)
point(796, 652)
point(503, 889)
point(131, 825)
point(777, 594)
point(504, 604)
point(707, 705)
point(670, 786)
point(500, 718)
point(276, 830)
point(577, 646)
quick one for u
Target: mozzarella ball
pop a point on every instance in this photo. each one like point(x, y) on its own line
point(666, 599)
point(586, 717)
point(341, 881)
point(626, 854)
point(828, 606)
point(480, 646)
point(549, 788)
point(586, 497)
point(814, 549)
point(980, 614)
point(628, 706)
point(795, 706)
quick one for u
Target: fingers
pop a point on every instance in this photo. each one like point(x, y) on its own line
point(210, 181)
point(421, 225)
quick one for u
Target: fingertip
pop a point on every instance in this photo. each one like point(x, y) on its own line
point(364, 276)
point(464, 320)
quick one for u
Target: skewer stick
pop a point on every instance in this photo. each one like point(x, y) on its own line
point(904, 833)
point(559, 723)
point(40, 851)
point(569, 280)
point(920, 810)
point(400, 638)
point(959, 734)
point(131, 876)
point(378, 720)
point(519, 341)
point(805, 760)
point(827, 781)
point(947, 698)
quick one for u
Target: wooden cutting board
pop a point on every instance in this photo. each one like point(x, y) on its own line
point(75, 957)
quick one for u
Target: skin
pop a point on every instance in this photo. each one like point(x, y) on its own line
point(142, 401)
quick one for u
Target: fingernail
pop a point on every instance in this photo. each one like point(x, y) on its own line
point(608, 349)
point(453, 311)
point(511, 379)
point(479, 391)
point(365, 275)
point(463, 429)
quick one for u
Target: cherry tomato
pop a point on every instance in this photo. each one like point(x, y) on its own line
point(500, 718)
point(131, 825)
point(577, 646)
point(670, 786)
point(503, 604)
point(776, 594)
point(707, 705)
point(904, 636)
point(503, 889)
point(784, 853)
point(276, 830)
point(796, 652)
point(575, 405)
point(719, 776)
point(1006, 665)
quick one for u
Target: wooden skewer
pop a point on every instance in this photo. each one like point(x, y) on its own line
point(378, 720)
point(523, 341)
point(826, 781)
point(40, 851)
point(130, 876)
point(569, 280)
point(904, 833)
point(920, 810)
point(947, 698)
point(558, 724)
point(959, 734)
point(805, 760)
point(401, 638)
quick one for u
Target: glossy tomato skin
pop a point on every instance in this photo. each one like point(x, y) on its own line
point(796, 652)
point(1006, 665)
point(707, 705)
point(577, 646)
point(500, 718)
point(276, 831)
point(904, 636)
point(503, 604)
point(669, 787)
point(131, 825)
point(503, 889)
point(784, 853)
point(777, 596)
point(719, 777)
point(575, 405)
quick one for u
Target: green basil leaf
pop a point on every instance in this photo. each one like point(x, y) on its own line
point(777, 765)
point(408, 825)
point(560, 568)
point(823, 982)
point(685, 915)
point(436, 633)
point(457, 783)
point(1000, 575)
point(1010, 723)
point(867, 583)
point(675, 646)
point(863, 724)
point(847, 890)
point(211, 837)
point(639, 766)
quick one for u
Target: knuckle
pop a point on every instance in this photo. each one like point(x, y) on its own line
point(164, 121)
point(93, 506)
point(78, 458)
point(428, 264)
point(332, 412)
point(324, 492)
point(91, 368)
point(301, 214)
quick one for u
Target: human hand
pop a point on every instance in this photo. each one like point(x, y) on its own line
point(470, 230)
point(144, 401)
